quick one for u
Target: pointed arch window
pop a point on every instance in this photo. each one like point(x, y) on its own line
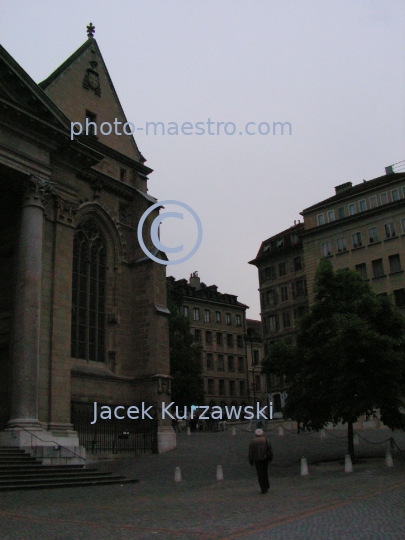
point(88, 293)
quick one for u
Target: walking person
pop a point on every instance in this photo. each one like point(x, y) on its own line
point(260, 453)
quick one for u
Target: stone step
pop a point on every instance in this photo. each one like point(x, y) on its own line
point(36, 466)
point(63, 484)
point(17, 459)
point(66, 479)
point(44, 473)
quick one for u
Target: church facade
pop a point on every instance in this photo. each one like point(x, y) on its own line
point(83, 315)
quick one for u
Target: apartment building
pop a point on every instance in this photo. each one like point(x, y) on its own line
point(231, 357)
point(283, 294)
point(361, 227)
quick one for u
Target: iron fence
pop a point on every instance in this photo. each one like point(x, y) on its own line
point(114, 436)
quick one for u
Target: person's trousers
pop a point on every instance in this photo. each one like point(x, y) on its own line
point(262, 474)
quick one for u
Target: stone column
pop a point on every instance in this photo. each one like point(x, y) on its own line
point(27, 307)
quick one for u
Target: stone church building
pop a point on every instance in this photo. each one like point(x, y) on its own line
point(83, 314)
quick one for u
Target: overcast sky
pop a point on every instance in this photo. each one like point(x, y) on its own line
point(333, 70)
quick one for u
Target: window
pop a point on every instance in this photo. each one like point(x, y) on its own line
point(373, 235)
point(352, 209)
point(220, 362)
point(239, 341)
point(123, 175)
point(228, 319)
point(229, 340)
point(395, 263)
point(271, 297)
point(238, 320)
point(197, 336)
point(185, 311)
point(219, 338)
point(356, 240)
point(286, 319)
point(255, 357)
point(231, 363)
point(297, 264)
point(383, 198)
point(208, 337)
point(399, 296)
point(294, 239)
point(284, 293)
point(258, 385)
point(362, 270)
point(241, 364)
point(88, 293)
point(389, 230)
point(211, 387)
point(91, 125)
point(403, 224)
point(395, 195)
point(221, 387)
point(373, 202)
point(270, 273)
point(331, 216)
point(321, 219)
point(277, 402)
point(196, 314)
point(282, 270)
point(210, 361)
point(207, 315)
point(231, 388)
point(326, 249)
point(242, 388)
point(272, 323)
point(341, 212)
point(341, 244)
point(362, 205)
point(298, 288)
point(378, 268)
point(218, 316)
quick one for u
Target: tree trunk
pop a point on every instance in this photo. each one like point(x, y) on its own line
point(350, 439)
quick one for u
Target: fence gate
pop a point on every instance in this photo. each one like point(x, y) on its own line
point(113, 436)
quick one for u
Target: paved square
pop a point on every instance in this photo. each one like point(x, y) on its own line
point(368, 504)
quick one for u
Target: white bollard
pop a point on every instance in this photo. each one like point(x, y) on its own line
point(233, 430)
point(388, 459)
point(323, 434)
point(304, 467)
point(356, 439)
point(280, 430)
point(177, 474)
point(348, 463)
point(188, 430)
point(220, 473)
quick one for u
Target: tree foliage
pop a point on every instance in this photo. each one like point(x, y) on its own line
point(185, 359)
point(349, 359)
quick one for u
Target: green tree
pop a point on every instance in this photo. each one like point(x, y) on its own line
point(349, 359)
point(185, 358)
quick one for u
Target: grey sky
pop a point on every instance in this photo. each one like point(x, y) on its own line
point(334, 70)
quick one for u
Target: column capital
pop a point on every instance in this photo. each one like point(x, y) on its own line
point(36, 190)
point(65, 210)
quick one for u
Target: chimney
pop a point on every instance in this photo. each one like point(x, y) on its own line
point(195, 281)
point(389, 169)
point(343, 187)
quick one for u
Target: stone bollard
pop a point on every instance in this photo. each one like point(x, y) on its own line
point(188, 430)
point(304, 467)
point(220, 473)
point(348, 463)
point(356, 439)
point(323, 434)
point(388, 459)
point(233, 430)
point(177, 474)
point(280, 430)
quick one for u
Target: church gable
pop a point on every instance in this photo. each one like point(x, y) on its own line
point(82, 88)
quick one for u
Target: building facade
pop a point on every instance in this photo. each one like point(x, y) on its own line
point(231, 344)
point(83, 314)
point(283, 295)
point(360, 228)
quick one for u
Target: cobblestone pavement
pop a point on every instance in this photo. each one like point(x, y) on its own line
point(328, 504)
